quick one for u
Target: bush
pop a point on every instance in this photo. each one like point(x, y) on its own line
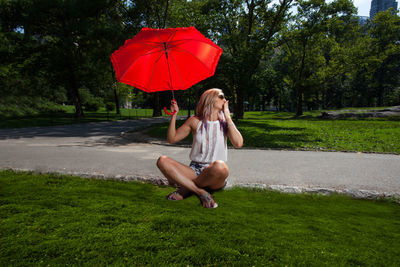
point(13, 106)
point(110, 106)
point(93, 104)
point(394, 97)
point(89, 101)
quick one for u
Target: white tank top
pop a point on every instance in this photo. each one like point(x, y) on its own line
point(209, 144)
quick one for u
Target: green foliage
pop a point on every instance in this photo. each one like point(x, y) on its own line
point(64, 220)
point(93, 104)
point(110, 106)
point(24, 106)
point(320, 30)
point(90, 102)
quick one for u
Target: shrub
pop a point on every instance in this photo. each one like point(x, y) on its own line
point(13, 106)
point(93, 104)
point(110, 106)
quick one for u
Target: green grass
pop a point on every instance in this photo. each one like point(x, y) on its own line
point(283, 130)
point(160, 131)
point(62, 220)
point(69, 117)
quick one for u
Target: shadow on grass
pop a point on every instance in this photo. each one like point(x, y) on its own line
point(276, 115)
point(265, 135)
point(312, 116)
point(265, 126)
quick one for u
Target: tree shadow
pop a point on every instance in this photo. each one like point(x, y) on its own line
point(266, 126)
point(264, 135)
point(318, 116)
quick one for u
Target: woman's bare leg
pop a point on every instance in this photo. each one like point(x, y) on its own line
point(213, 176)
point(179, 174)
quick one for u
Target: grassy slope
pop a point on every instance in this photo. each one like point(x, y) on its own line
point(65, 220)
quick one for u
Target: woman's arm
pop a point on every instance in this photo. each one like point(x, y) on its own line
point(233, 133)
point(174, 135)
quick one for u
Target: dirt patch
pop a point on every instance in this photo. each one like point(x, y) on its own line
point(379, 113)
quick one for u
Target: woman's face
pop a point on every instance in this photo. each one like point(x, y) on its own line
point(220, 101)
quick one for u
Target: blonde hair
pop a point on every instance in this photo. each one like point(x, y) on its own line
point(206, 105)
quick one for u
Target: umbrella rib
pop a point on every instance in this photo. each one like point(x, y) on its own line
point(133, 63)
point(177, 69)
point(171, 36)
point(154, 68)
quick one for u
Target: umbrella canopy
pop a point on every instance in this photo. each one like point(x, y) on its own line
point(166, 59)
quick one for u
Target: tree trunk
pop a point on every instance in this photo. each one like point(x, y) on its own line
point(116, 98)
point(156, 105)
point(263, 103)
point(76, 98)
point(299, 102)
point(69, 59)
point(239, 111)
point(380, 88)
point(298, 86)
point(73, 88)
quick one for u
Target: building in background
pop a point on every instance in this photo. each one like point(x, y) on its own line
point(381, 5)
point(362, 20)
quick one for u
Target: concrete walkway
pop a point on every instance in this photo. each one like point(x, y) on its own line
point(102, 150)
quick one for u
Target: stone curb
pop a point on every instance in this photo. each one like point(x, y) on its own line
point(354, 193)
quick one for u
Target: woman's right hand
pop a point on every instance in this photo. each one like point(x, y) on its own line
point(174, 107)
point(227, 113)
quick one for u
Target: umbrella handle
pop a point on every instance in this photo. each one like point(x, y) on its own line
point(169, 113)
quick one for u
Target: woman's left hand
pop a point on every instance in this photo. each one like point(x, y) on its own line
point(174, 107)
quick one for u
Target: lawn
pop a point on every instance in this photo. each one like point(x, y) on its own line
point(63, 220)
point(283, 130)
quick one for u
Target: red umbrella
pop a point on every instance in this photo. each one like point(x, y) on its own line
point(166, 59)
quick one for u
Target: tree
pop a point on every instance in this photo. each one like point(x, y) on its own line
point(244, 29)
point(63, 31)
point(385, 47)
point(308, 45)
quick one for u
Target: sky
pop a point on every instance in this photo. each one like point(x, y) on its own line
point(363, 7)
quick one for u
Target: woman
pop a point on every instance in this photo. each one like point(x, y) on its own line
point(208, 170)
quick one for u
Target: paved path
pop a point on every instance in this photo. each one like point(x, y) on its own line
point(99, 150)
